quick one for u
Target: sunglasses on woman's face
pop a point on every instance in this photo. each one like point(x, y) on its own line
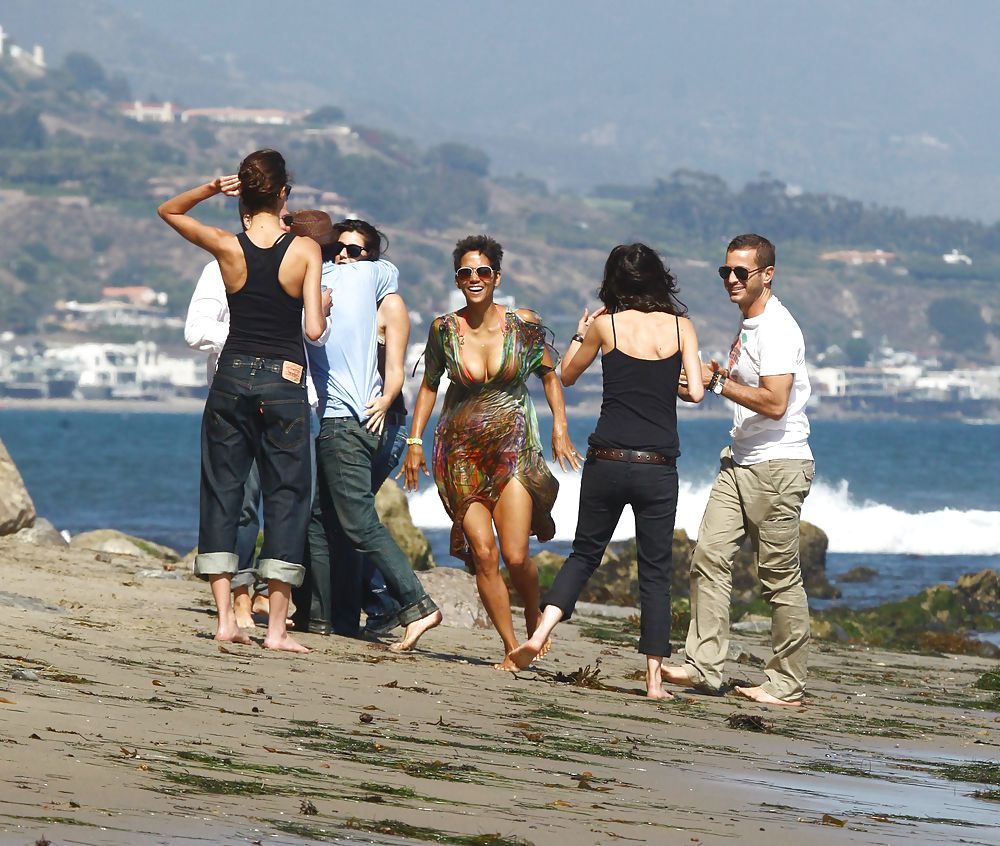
point(353, 250)
point(484, 272)
point(741, 273)
point(288, 191)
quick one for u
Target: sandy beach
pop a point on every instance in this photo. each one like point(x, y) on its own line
point(123, 722)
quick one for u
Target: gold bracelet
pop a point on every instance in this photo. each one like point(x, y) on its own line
point(414, 441)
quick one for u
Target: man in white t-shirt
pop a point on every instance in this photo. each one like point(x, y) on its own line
point(764, 477)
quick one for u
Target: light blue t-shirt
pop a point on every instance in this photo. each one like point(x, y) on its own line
point(345, 369)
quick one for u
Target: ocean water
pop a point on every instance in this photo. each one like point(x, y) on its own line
point(917, 502)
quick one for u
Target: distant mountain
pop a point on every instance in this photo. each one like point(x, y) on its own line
point(892, 102)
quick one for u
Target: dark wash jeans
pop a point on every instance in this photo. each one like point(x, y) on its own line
point(249, 529)
point(344, 526)
point(378, 603)
point(254, 414)
point(605, 489)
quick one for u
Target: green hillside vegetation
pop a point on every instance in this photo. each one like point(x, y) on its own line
point(80, 184)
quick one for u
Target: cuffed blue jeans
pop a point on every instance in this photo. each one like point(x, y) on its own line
point(254, 414)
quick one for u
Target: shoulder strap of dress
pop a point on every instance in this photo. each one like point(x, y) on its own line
point(613, 333)
point(678, 320)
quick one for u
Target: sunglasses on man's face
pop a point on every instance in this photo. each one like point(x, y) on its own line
point(741, 273)
point(465, 274)
point(288, 220)
point(353, 250)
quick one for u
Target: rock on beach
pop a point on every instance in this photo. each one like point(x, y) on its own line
point(17, 511)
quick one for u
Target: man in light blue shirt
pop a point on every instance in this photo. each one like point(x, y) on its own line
point(345, 372)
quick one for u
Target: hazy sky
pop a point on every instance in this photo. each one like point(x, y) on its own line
point(889, 100)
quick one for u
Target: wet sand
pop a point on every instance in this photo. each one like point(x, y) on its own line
point(131, 725)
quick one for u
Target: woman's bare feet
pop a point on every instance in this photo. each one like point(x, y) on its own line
point(544, 650)
point(527, 652)
point(507, 665)
point(284, 643)
point(231, 633)
point(243, 610)
point(758, 694)
point(414, 631)
point(654, 681)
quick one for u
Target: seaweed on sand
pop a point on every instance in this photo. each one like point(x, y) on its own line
point(397, 828)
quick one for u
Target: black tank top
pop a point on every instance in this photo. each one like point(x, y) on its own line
point(264, 321)
point(639, 409)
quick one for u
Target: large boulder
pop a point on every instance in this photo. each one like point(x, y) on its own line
point(119, 543)
point(42, 533)
point(394, 511)
point(17, 511)
point(454, 591)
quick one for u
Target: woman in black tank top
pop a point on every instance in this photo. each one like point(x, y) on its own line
point(646, 345)
point(256, 408)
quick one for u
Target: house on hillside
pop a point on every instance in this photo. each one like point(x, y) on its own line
point(33, 59)
point(148, 112)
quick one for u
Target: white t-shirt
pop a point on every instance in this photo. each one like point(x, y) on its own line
point(771, 344)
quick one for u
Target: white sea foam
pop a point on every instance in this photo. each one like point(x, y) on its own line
point(852, 526)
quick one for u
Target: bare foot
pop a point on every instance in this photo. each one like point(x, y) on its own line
point(261, 604)
point(507, 665)
point(544, 650)
point(758, 694)
point(414, 631)
point(657, 692)
point(675, 675)
point(243, 611)
point(523, 655)
point(284, 644)
point(232, 634)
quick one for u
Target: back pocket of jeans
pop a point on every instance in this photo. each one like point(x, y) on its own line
point(286, 426)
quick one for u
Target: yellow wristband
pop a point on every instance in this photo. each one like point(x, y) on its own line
point(414, 441)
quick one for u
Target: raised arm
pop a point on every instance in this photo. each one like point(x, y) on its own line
point(174, 212)
point(581, 354)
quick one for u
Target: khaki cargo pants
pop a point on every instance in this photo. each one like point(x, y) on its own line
point(763, 501)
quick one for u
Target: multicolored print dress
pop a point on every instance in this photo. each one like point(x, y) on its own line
point(488, 433)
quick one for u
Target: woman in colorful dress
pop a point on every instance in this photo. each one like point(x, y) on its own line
point(646, 347)
point(488, 462)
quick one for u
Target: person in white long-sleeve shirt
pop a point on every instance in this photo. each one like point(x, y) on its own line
point(206, 329)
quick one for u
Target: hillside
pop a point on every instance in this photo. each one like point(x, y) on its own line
point(80, 184)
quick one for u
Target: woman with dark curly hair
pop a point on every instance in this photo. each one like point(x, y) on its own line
point(645, 345)
point(256, 407)
point(488, 461)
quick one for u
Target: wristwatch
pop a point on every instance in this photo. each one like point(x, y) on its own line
point(578, 338)
point(718, 383)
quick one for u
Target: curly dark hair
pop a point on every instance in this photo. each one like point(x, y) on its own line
point(375, 241)
point(635, 277)
point(262, 176)
point(482, 244)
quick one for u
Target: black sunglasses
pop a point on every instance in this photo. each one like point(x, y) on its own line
point(742, 273)
point(288, 220)
point(353, 250)
point(464, 274)
point(288, 191)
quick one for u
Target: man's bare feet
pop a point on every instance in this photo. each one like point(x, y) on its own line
point(675, 675)
point(231, 634)
point(414, 631)
point(284, 644)
point(524, 654)
point(261, 604)
point(243, 611)
point(758, 694)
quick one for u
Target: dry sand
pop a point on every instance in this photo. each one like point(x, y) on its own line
point(140, 729)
